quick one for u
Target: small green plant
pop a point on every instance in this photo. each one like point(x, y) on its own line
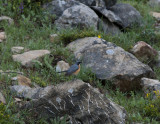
point(152, 108)
point(4, 117)
point(39, 81)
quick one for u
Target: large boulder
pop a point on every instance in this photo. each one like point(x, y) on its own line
point(108, 27)
point(92, 2)
point(78, 16)
point(128, 15)
point(111, 62)
point(26, 59)
point(112, 17)
point(56, 7)
point(110, 3)
point(80, 102)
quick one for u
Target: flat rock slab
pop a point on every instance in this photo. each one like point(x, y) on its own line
point(26, 58)
point(17, 49)
point(80, 102)
point(27, 92)
point(110, 62)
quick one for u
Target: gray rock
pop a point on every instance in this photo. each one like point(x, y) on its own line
point(110, 3)
point(99, 3)
point(128, 14)
point(56, 7)
point(78, 16)
point(62, 66)
point(80, 102)
point(29, 93)
point(2, 99)
point(111, 62)
point(53, 37)
point(157, 63)
point(144, 52)
point(108, 27)
point(10, 21)
point(2, 36)
point(108, 14)
point(26, 59)
point(17, 49)
point(151, 86)
point(154, 3)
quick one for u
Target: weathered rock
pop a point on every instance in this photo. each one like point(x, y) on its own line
point(53, 37)
point(8, 72)
point(156, 15)
point(108, 27)
point(99, 3)
point(62, 66)
point(108, 14)
point(110, 3)
point(154, 3)
point(30, 93)
point(81, 102)
point(151, 86)
point(128, 14)
point(17, 49)
point(144, 51)
point(56, 7)
point(157, 62)
point(111, 62)
point(10, 21)
point(2, 36)
point(2, 99)
point(78, 16)
point(22, 80)
point(26, 58)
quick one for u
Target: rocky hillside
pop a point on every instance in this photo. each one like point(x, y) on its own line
point(117, 43)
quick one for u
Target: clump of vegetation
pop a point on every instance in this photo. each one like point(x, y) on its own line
point(32, 29)
point(4, 117)
point(152, 108)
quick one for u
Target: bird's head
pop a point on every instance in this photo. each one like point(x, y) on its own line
point(78, 62)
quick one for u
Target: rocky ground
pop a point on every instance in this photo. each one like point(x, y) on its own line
point(116, 41)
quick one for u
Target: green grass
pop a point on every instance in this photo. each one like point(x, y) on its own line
point(34, 35)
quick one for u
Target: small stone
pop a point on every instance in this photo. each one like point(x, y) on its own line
point(53, 37)
point(22, 80)
point(62, 66)
point(17, 49)
point(17, 100)
point(2, 36)
point(26, 59)
point(144, 51)
point(155, 15)
point(150, 86)
point(2, 99)
point(10, 21)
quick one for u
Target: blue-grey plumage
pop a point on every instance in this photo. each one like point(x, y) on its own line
point(72, 69)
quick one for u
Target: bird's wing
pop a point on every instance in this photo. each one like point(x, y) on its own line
point(72, 69)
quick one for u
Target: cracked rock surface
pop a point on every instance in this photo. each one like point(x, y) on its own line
point(82, 104)
point(111, 62)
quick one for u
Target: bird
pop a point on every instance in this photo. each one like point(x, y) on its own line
point(73, 70)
